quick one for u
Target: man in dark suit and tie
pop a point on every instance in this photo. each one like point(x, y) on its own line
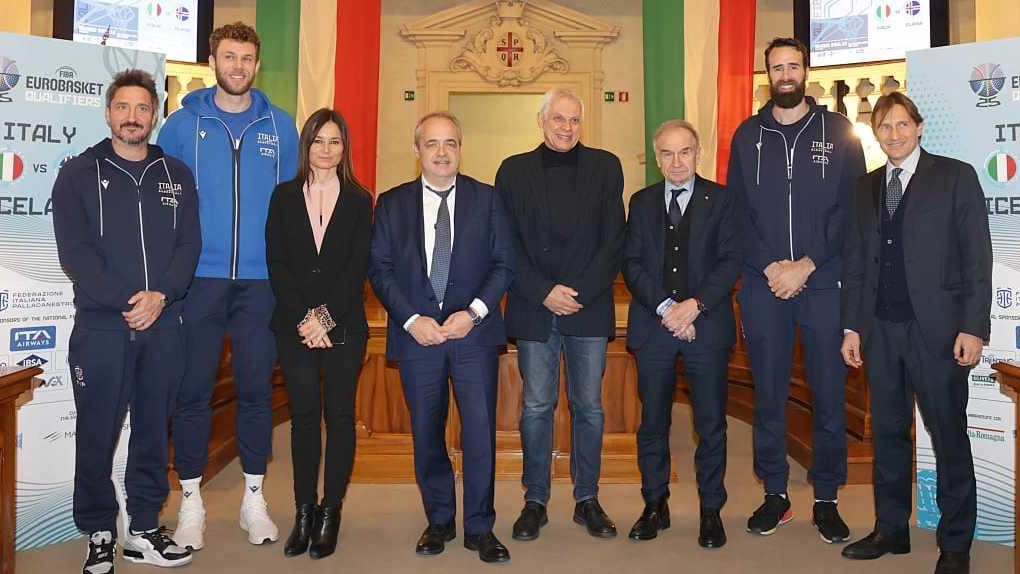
point(441, 260)
point(681, 260)
point(565, 205)
point(917, 295)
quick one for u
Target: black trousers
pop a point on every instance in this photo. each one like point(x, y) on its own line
point(705, 370)
point(304, 369)
point(900, 368)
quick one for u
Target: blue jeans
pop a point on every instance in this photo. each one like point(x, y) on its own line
point(539, 363)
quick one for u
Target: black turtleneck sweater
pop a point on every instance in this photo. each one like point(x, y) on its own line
point(560, 170)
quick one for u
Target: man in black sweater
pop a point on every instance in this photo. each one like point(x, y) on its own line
point(565, 206)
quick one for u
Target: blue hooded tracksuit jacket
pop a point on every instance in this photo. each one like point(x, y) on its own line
point(235, 175)
point(795, 204)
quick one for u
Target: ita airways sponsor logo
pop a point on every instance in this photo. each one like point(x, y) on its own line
point(32, 338)
point(11, 166)
point(9, 77)
point(986, 81)
point(1001, 167)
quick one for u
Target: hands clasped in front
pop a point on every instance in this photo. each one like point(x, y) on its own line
point(428, 332)
point(146, 307)
point(679, 319)
point(787, 278)
point(315, 327)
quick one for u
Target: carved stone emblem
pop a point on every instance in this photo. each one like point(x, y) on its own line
point(509, 52)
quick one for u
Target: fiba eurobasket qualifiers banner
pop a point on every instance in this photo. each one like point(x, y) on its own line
point(52, 102)
point(969, 96)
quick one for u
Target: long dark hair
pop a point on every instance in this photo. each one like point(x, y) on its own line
point(314, 123)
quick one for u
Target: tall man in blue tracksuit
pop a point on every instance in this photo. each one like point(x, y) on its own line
point(126, 223)
point(240, 146)
point(793, 166)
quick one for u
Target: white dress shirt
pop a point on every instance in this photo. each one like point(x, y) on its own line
point(908, 165)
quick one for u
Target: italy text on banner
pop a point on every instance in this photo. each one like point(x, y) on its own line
point(54, 93)
point(967, 95)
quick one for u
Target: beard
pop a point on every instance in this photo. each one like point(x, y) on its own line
point(224, 83)
point(787, 99)
point(129, 139)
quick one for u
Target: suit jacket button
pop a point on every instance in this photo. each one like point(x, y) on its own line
point(315, 269)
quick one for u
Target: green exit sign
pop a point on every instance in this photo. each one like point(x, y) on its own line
point(408, 95)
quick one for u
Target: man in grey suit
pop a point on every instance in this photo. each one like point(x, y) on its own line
point(917, 270)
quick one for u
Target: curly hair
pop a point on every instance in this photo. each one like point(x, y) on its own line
point(239, 32)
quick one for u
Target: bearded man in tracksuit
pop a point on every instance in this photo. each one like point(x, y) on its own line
point(240, 147)
point(793, 166)
point(126, 223)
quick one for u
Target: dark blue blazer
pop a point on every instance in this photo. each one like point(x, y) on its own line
point(713, 262)
point(481, 266)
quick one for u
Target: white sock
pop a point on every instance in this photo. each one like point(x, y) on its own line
point(191, 493)
point(834, 501)
point(253, 485)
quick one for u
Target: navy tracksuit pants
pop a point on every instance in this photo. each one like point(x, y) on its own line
point(769, 325)
point(110, 371)
point(213, 308)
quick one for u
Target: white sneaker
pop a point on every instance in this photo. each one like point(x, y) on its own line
point(190, 531)
point(256, 522)
point(155, 548)
point(101, 551)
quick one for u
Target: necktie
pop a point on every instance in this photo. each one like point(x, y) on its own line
point(675, 213)
point(894, 192)
point(441, 251)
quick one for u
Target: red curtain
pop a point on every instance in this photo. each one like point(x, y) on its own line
point(356, 93)
point(735, 81)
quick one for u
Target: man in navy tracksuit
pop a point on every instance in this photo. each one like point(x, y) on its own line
point(240, 147)
point(793, 167)
point(126, 222)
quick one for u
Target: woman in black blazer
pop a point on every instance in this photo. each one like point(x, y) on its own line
point(317, 242)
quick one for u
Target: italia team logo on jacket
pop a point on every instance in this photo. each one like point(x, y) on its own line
point(11, 166)
point(1000, 167)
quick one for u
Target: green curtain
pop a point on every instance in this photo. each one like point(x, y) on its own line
point(663, 25)
point(278, 23)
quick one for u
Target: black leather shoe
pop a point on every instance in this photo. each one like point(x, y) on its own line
point(297, 542)
point(654, 517)
point(533, 518)
point(711, 534)
point(877, 544)
point(489, 548)
point(953, 563)
point(327, 529)
point(434, 539)
point(589, 513)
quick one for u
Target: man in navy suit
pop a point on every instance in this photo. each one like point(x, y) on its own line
point(681, 260)
point(441, 261)
point(917, 294)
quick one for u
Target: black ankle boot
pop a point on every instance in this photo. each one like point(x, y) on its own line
point(297, 542)
point(326, 531)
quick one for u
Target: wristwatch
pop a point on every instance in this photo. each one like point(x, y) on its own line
point(701, 306)
point(476, 319)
